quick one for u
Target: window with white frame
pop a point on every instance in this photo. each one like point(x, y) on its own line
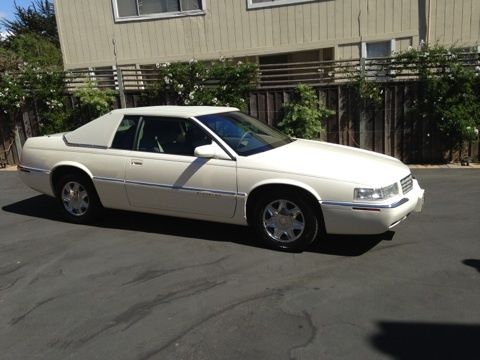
point(377, 54)
point(134, 9)
point(378, 49)
point(253, 4)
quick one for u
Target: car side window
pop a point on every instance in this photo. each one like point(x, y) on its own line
point(125, 135)
point(174, 136)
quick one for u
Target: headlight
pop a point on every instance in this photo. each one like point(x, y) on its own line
point(376, 194)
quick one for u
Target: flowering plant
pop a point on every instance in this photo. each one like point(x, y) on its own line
point(217, 83)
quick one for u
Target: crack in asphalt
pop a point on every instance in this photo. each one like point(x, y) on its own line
point(148, 355)
point(17, 319)
point(11, 268)
point(138, 312)
point(310, 340)
point(153, 274)
point(9, 285)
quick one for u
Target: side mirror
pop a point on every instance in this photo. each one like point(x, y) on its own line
point(211, 151)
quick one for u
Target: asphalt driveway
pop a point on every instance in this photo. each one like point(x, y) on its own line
point(147, 287)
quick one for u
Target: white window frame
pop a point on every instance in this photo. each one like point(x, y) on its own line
point(165, 15)
point(251, 5)
point(393, 45)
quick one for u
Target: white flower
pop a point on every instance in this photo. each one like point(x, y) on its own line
point(167, 80)
point(239, 63)
point(222, 58)
point(193, 61)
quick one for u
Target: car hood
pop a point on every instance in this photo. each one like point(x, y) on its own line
point(332, 161)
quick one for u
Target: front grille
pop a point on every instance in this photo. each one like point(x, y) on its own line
point(407, 184)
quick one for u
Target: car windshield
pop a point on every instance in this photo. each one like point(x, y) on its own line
point(244, 134)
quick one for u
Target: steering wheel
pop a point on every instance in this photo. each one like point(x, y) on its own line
point(248, 132)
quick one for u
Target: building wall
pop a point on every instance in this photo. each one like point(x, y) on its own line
point(228, 28)
point(454, 22)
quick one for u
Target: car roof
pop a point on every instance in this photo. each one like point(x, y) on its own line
point(100, 132)
point(177, 111)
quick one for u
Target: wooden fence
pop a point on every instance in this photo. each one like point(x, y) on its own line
point(387, 128)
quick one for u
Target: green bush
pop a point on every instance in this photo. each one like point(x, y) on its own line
point(450, 92)
point(304, 114)
point(92, 102)
point(217, 83)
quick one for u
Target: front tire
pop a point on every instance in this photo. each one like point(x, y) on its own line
point(285, 221)
point(78, 199)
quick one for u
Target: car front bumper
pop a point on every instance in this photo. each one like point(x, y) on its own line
point(370, 218)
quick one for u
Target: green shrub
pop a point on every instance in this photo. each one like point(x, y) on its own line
point(450, 92)
point(92, 103)
point(304, 114)
point(217, 83)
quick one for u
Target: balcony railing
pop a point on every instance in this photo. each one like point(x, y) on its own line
point(315, 73)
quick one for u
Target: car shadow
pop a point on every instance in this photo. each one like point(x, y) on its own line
point(45, 207)
point(474, 263)
point(416, 340)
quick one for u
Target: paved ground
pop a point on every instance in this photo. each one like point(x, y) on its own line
point(146, 287)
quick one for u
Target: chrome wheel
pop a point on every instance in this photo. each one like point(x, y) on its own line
point(75, 198)
point(283, 221)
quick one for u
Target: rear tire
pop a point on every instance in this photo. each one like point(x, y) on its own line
point(78, 199)
point(285, 221)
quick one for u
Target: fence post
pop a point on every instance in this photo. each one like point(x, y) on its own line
point(18, 142)
point(362, 126)
point(121, 89)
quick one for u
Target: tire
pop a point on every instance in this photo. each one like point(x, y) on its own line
point(285, 221)
point(78, 199)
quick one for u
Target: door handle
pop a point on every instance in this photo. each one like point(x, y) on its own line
point(136, 162)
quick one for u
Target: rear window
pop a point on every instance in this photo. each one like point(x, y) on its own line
point(125, 135)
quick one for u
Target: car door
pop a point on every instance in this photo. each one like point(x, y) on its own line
point(164, 174)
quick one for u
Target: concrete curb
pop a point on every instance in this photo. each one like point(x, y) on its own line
point(10, 168)
point(445, 166)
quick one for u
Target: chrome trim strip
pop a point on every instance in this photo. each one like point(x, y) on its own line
point(102, 178)
point(89, 146)
point(363, 205)
point(171, 187)
point(182, 188)
point(29, 169)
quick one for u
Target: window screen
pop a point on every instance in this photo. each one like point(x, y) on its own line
point(378, 49)
point(127, 8)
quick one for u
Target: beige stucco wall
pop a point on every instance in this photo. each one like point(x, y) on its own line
point(228, 28)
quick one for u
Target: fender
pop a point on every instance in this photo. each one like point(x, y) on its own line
point(71, 164)
point(281, 181)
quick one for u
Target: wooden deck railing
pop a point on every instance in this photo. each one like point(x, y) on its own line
point(285, 75)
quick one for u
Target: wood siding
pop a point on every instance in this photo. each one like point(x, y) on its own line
point(228, 28)
point(454, 22)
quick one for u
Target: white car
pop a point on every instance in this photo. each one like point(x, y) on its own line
point(218, 164)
